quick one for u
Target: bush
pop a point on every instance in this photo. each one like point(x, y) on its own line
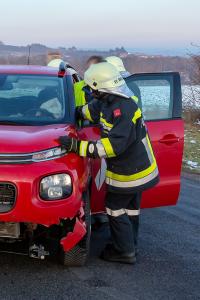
point(191, 116)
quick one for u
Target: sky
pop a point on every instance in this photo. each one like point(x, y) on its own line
point(141, 24)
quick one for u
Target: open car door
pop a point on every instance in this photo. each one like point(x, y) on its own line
point(160, 100)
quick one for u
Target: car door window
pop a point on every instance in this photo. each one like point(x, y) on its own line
point(156, 95)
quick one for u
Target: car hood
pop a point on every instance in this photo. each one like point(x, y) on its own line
point(27, 139)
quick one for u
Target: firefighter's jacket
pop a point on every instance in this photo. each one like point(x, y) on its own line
point(79, 93)
point(124, 143)
point(82, 93)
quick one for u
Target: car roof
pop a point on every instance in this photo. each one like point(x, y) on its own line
point(29, 69)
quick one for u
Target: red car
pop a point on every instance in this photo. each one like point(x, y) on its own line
point(45, 193)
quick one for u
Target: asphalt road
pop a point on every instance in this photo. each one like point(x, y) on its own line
point(168, 265)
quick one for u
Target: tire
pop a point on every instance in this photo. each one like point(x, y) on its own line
point(77, 256)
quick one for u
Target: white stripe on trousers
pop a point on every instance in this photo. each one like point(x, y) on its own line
point(122, 211)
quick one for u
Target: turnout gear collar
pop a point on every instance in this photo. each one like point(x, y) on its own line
point(103, 76)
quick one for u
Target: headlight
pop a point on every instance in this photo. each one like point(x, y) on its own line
point(56, 187)
point(48, 154)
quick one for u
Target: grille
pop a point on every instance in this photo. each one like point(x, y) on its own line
point(7, 196)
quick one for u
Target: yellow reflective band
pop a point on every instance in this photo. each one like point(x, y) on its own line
point(106, 123)
point(126, 178)
point(137, 115)
point(83, 148)
point(135, 98)
point(133, 183)
point(87, 113)
point(108, 147)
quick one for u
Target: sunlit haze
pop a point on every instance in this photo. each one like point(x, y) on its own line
point(141, 24)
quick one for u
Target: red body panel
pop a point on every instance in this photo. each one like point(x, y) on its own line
point(74, 237)
point(167, 138)
point(29, 207)
point(27, 139)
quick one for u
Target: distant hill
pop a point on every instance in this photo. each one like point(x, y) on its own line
point(12, 50)
point(134, 62)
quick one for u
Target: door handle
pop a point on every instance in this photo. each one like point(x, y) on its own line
point(169, 139)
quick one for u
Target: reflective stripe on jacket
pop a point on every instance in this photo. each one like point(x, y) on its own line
point(131, 164)
point(135, 98)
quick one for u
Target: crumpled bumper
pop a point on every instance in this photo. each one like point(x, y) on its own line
point(30, 208)
point(72, 238)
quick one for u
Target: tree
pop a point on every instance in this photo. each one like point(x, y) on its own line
point(194, 87)
point(191, 92)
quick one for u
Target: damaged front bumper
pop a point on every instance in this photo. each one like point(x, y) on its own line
point(30, 208)
point(72, 238)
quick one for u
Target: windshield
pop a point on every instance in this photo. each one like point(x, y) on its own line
point(31, 99)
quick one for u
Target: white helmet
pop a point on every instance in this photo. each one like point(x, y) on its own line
point(117, 62)
point(55, 63)
point(103, 76)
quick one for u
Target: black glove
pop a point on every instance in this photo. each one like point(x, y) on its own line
point(70, 144)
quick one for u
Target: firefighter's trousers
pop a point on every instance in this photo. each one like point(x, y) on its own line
point(123, 212)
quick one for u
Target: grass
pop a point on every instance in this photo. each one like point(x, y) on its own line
point(191, 158)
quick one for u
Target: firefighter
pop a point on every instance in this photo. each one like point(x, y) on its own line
point(125, 144)
point(119, 65)
point(82, 92)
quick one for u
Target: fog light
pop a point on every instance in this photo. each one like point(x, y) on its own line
point(56, 187)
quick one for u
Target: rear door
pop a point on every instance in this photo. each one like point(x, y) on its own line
point(161, 103)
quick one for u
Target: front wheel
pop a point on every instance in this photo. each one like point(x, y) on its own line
point(77, 256)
